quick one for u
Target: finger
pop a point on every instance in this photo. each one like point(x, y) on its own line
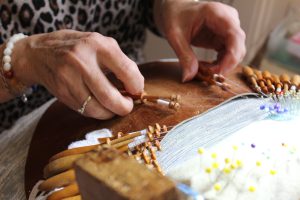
point(66, 34)
point(187, 58)
point(233, 54)
point(75, 93)
point(106, 93)
point(100, 87)
point(125, 69)
point(93, 108)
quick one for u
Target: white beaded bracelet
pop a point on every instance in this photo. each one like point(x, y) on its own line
point(8, 50)
point(7, 71)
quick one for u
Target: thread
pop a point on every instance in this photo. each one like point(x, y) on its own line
point(205, 130)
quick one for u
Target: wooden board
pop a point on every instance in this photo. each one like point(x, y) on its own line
point(60, 126)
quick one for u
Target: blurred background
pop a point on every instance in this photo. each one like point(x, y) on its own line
point(273, 35)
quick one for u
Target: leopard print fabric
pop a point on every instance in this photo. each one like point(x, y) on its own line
point(124, 20)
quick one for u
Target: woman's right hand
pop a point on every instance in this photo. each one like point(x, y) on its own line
point(71, 64)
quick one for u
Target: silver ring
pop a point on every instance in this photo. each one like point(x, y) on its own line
point(82, 109)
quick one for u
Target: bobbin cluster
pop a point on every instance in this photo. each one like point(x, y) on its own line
point(141, 145)
point(206, 75)
point(267, 83)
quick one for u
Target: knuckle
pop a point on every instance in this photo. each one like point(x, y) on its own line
point(213, 6)
point(243, 34)
point(112, 41)
point(128, 68)
point(109, 48)
point(234, 57)
point(234, 11)
point(94, 36)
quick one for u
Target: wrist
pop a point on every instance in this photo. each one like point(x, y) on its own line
point(13, 70)
point(21, 62)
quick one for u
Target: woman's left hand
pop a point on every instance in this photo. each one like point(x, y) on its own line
point(204, 24)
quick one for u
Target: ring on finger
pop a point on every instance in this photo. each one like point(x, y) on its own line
point(85, 103)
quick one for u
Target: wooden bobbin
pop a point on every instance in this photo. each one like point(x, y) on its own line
point(295, 81)
point(120, 134)
point(261, 81)
point(174, 105)
point(157, 144)
point(151, 129)
point(219, 78)
point(206, 78)
point(146, 158)
point(67, 192)
point(157, 166)
point(126, 137)
point(277, 83)
point(150, 136)
point(174, 97)
point(251, 77)
point(77, 197)
point(133, 96)
point(60, 165)
point(285, 80)
point(123, 143)
point(57, 181)
point(153, 153)
point(268, 78)
point(73, 151)
point(164, 128)
point(124, 148)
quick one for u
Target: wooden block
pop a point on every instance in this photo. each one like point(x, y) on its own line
point(107, 174)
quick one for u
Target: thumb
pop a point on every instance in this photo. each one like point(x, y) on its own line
point(187, 58)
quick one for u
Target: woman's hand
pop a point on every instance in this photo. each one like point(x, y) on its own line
point(209, 25)
point(70, 65)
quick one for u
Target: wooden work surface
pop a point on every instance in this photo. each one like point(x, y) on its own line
point(59, 126)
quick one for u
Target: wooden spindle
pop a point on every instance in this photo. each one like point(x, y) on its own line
point(285, 80)
point(261, 81)
point(251, 77)
point(295, 81)
point(268, 78)
point(277, 83)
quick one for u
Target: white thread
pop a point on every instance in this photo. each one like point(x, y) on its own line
point(162, 102)
point(183, 141)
